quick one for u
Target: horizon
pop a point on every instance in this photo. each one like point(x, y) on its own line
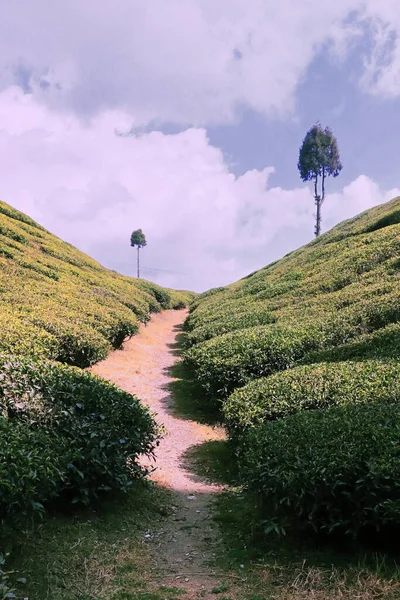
point(111, 122)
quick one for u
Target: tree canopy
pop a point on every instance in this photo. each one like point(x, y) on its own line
point(319, 158)
point(138, 239)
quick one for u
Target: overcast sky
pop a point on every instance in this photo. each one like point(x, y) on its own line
point(185, 117)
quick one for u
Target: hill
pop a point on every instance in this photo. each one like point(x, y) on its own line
point(303, 358)
point(65, 435)
point(58, 303)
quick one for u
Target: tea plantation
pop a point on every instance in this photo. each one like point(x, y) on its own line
point(65, 435)
point(303, 359)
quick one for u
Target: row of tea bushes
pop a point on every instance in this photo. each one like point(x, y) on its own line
point(232, 360)
point(66, 435)
point(58, 303)
point(310, 387)
point(311, 397)
point(333, 470)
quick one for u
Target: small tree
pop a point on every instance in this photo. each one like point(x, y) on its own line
point(138, 239)
point(319, 158)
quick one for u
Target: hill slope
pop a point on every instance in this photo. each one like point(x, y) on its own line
point(303, 355)
point(58, 303)
point(65, 434)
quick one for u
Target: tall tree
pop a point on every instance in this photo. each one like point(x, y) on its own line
point(138, 239)
point(319, 158)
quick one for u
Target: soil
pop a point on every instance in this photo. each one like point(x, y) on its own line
point(184, 550)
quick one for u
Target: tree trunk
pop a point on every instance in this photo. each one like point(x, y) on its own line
point(323, 185)
point(318, 219)
point(318, 203)
point(138, 271)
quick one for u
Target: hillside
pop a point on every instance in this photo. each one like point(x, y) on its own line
point(65, 435)
point(302, 357)
point(58, 303)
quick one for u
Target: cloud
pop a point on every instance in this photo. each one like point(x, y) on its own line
point(204, 226)
point(191, 62)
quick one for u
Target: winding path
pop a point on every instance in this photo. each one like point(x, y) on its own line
point(183, 551)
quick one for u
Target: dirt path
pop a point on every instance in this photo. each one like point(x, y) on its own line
point(185, 548)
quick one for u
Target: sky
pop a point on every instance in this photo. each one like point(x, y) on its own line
point(184, 118)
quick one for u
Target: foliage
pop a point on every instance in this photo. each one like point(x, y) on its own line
point(58, 303)
point(319, 158)
point(65, 433)
point(232, 360)
point(327, 350)
point(310, 387)
point(329, 470)
point(238, 320)
point(326, 294)
point(383, 344)
point(319, 154)
point(138, 238)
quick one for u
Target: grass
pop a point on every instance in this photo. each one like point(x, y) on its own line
point(272, 567)
point(96, 555)
point(102, 554)
point(190, 401)
point(279, 568)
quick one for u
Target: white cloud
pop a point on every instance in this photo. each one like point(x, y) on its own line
point(203, 224)
point(187, 61)
point(191, 62)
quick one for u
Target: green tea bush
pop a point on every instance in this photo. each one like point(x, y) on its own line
point(383, 344)
point(336, 299)
point(240, 320)
point(30, 473)
point(333, 470)
point(311, 387)
point(87, 432)
point(160, 294)
point(326, 294)
point(232, 360)
point(61, 303)
point(24, 338)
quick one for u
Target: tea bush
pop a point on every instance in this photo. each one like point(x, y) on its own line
point(295, 387)
point(232, 360)
point(65, 433)
point(334, 291)
point(383, 344)
point(62, 304)
point(30, 473)
point(239, 320)
point(333, 470)
point(335, 272)
point(311, 387)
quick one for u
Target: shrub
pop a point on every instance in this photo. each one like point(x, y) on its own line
point(332, 470)
point(179, 304)
point(24, 338)
point(346, 267)
point(382, 344)
point(30, 473)
point(310, 387)
point(232, 360)
point(240, 320)
point(78, 345)
point(89, 433)
point(59, 303)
